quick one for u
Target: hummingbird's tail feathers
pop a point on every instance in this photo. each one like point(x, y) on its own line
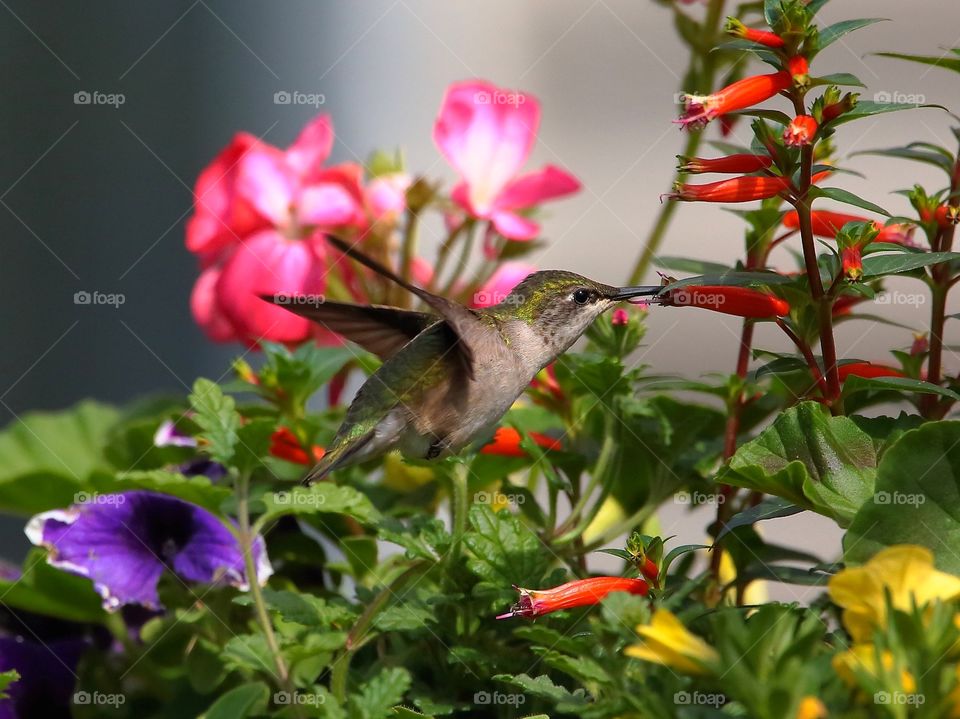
point(460, 319)
point(377, 328)
point(338, 456)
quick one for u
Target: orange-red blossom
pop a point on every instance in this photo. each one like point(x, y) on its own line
point(729, 299)
point(763, 37)
point(800, 131)
point(866, 369)
point(736, 189)
point(285, 445)
point(700, 109)
point(739, 164)
point(578, 593)
point(826, 223)
point(506, 443)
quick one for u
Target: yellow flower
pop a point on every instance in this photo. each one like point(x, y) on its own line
point(906, 571)
point(863, 657)
point(666, 641)
point(811, 708)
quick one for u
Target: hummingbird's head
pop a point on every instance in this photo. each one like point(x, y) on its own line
point(559, 306)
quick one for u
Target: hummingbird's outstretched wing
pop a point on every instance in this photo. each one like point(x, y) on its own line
point(459, 319)
point(377, 328)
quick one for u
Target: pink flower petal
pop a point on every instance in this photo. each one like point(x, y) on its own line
point(206, 311)
point(387, 195)
point(505, 278)
point(268, 184)
point(487, 134)
point(220, 216)
point(312, 148)
point(535, 187)
point(326, 205)
point(515, 227)
point(269, 263)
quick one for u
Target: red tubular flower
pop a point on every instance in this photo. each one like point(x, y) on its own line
point(700, 109)
point(506, 443)
point(852, 263)
point(947, 216)
point(800, 131)
point(844, 304)
point(921, 344)
point(738, 164)
point(866, 369)
point(736, 189)
point(763, 37)
point(731, 300)
point(836, 109)
point(826, 223)
point(578, 593)
point(285, 445)
point(799, 69)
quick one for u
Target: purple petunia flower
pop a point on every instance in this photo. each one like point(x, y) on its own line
point(123, 542)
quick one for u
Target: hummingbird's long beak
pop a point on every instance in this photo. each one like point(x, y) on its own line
point(627, 293)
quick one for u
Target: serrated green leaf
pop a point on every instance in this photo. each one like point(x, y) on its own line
point(504, 550)
point(239, 702)
point(197, 490)
point(542, 687)
point(218, 419)
point(320, 498)
point(811, 459)
point(917, 498)
point(378, 696)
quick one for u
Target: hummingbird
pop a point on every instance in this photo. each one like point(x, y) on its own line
point(450, 374)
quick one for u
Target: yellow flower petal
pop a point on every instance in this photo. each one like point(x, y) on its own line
point(905, 571)
point(811, 708)
point(666, 641)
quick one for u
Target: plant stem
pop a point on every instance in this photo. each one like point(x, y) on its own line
point(408, 249)
point(807, 355)
point(246, 537)
point(459, 509)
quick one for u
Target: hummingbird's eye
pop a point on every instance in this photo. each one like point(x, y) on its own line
point(581, 296)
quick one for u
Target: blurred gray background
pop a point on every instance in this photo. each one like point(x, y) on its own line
point(95, 197)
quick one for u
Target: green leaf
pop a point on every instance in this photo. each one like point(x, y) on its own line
point(835, 193)
point(6, 679)
point(832, 33)
point(48, 455)
point(239, 702)
point(249, 652)
point(867, 108)
point(878, 265)
point(320, 498)
point(542, 687)
point(218, 419)
point(379, 695)
point(944, 61)
point(901, 384)
point(734, 278)
point(684, 264)
point(917, 498)
point(504, 550)
point(910, 153)
point(837, 78)
point(811, 459)
point(196, 490)
point(42, 589)
point(769, 508)
point(581, 668)
point(784, 575)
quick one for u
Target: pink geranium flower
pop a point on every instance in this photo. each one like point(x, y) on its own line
point(487, 134)
point(287, 199)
